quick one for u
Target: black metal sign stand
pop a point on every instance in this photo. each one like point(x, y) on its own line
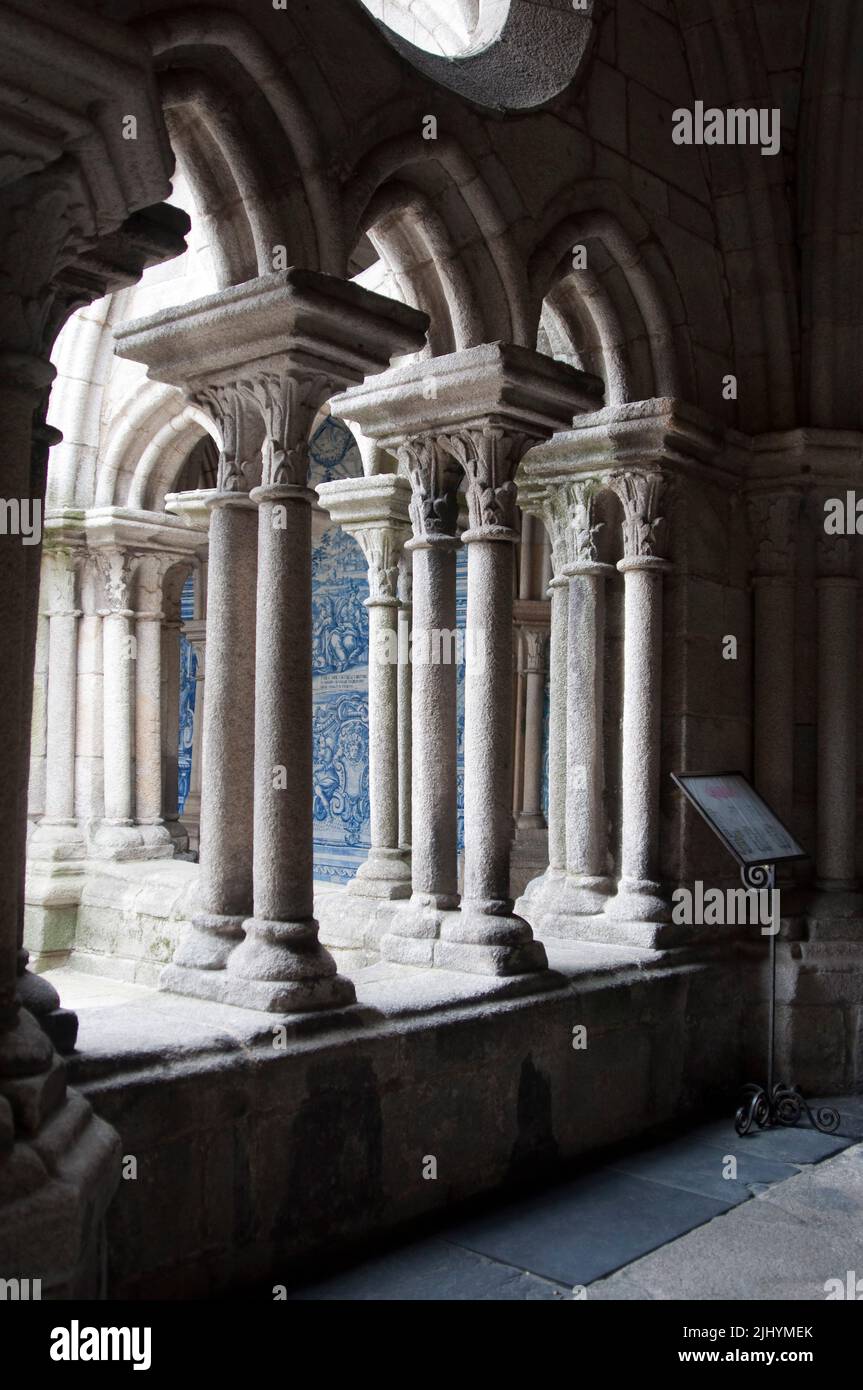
point(776, 1103)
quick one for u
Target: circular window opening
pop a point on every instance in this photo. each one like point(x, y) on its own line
point(447, 28)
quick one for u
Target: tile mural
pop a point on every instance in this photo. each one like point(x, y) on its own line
point(188, 672)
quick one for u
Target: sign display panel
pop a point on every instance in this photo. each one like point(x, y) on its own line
point(738, 815)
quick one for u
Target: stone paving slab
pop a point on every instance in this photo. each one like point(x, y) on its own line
point(588, 1227)
point(434, 1270)
point(780, 1230)
point(699, 1167)
point(797, 1144)
point(785, 1244)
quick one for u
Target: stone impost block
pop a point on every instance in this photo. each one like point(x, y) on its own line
point(496, 384)
point(295, 319)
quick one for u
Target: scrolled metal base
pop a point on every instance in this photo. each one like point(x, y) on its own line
point(784, 1106)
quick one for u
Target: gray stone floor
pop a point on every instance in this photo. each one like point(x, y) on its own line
point(668, 1222)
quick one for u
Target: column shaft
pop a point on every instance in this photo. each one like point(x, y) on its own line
point(837, 726)
point(227, 783)
point(118, 682)
point(638, 891)
point(148, 733)
point(435, 831)
point(534, 693)
point(281, 965)
point(586, 825)
point(486, 937)
point(405, 717)
point(488, 724)
point(60, 744)
point(557, 724)
point(774, 691)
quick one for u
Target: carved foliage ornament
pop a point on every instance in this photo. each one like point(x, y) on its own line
point(434, 479)
point(115, 567)
point(773, 523)
point(227, 407)
point(381, 547)
point(640, 495)
point(288, 401)
point(583, 527)
point(54, 202)
point(567, 511)
point(834, 551)
point(489, 457)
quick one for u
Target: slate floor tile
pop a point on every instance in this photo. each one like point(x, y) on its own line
point(696, 1167)
point(434, 1271)
point(589, 1227)
point(796, 1144)
point(850, 1113)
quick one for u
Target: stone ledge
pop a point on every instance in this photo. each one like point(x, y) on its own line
point(253, 1156)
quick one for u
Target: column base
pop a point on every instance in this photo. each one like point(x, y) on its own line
point(488, 939)
point(640, 915)
point(585, 895)
point(386, 873)
point(208, 941)
point(56, 841)
point(415, 929)
point(126, 841)
point(540, 897)
point(282, 967)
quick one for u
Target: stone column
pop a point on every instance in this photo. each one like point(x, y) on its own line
point(405, 701)
point(836, 585)
point(148, 707)
point(542, 894)
point(773, 522)
point(278, 344)
point(374, 510)
point(227, 728)
point(281, 965)
point(434, 480)
point(588, 883)
point(639, 897)
point(530, 815)
point(24, 1049)
point(117, 836)
point(58, 835)
point(487, 936)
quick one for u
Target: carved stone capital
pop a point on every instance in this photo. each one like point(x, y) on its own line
point(59, 581)
point(233, 415)
point(381, 546)
point(567, 510)
point(288, 400)
point(834, 552)
point(434, 476)
point(489, 457)
point(115, 568)
point(640, 493)
point(535, 644)
point(773, 518)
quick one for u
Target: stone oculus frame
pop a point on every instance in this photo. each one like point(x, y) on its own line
point(268, 352)
point(468, 414)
